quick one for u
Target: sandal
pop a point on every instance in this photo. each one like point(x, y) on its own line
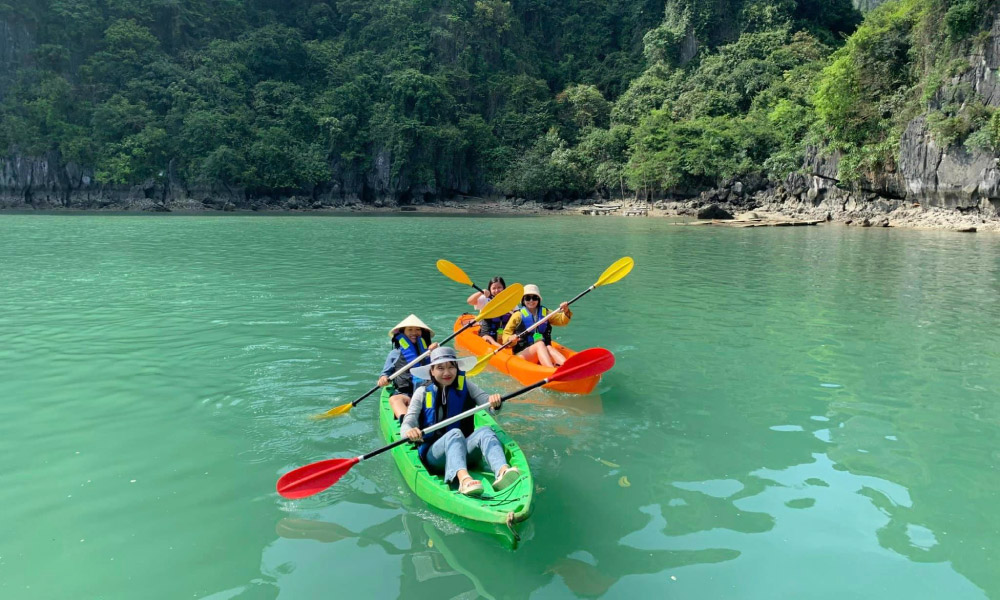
point(506, 477)
point(470, 487)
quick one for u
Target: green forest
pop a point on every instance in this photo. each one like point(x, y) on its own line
point(548, 99)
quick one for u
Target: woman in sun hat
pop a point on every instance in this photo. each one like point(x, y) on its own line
point(538, 345)
point(410, 338)
point(447, 393)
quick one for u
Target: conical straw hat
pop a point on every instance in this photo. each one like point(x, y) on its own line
point(410, 321)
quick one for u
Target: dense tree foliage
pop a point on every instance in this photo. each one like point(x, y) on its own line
point(894, 68)
point(528, 97)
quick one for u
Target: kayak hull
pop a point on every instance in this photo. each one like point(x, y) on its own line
point(520, 369)
point(511, 505)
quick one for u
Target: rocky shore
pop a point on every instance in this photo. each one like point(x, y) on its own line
point(725, 203)
point(819, 200)
point(46, 184)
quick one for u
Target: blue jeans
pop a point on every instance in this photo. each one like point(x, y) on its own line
point(452, 450)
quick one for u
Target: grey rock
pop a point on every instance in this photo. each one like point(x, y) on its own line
point(714, 211)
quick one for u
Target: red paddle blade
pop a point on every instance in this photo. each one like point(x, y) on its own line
point(589, 362)
point(314, 478)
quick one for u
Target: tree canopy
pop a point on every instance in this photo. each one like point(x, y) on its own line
point(540, 98)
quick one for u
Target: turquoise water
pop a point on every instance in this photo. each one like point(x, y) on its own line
point(795, 412)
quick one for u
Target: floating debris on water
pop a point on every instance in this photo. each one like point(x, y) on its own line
point(624, 482)
point(786, 428)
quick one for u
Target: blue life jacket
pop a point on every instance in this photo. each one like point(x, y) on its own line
point(543, 332)
point(434, 411)
point(492, 326)
point(406, 383)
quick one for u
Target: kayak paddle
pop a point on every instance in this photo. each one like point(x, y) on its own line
point(501, 304)
point(318, 476)
point(452, 272)
point(614, 273)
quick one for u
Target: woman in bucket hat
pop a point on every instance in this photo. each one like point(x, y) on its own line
point(538, 346)
point(447, 393)
point(410, 338)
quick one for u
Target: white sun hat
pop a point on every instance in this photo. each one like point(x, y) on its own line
point(440, 355)
point(531, 289)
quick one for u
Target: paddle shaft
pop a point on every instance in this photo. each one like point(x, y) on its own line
point(413, 362)
point(316, 477)
point(505, 300)
point(451, 420)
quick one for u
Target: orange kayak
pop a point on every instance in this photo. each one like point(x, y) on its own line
point(522, 370)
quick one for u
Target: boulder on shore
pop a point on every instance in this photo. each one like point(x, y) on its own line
point(714, 211)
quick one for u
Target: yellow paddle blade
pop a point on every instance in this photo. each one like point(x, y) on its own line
point(502, 303)
point(336, 411)
point(480, 365)
point(616, 271)
point(451, 271)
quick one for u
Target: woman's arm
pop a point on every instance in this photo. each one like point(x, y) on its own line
point(474, 298)
point(511, 327)
point(412, 419)
point(562, 318)
point(390, 362)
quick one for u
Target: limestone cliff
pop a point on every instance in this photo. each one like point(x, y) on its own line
point(927, 173)
point(867, 5)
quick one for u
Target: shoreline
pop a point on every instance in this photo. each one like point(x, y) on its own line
point(764, 206)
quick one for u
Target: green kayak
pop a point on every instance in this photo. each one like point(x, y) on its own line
point(506, 507)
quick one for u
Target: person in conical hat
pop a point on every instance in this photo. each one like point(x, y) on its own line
point(446, 393)
point(410, 338)
point(537, 345)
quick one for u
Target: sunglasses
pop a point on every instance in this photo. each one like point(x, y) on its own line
point(530, 298)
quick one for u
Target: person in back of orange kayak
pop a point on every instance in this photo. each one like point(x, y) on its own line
point(410, 339)
point(537, 346)
point(489, 329)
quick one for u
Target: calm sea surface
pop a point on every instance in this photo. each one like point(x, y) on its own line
point(795, 413)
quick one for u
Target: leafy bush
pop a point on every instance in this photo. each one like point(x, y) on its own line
point(961, 18)
point(864, 97)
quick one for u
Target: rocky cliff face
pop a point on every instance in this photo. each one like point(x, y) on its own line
point(955, 177)
point(867, 5)
point(928, 176)
point(49, 182)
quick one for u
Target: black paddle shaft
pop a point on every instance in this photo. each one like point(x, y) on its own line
point(447, 422)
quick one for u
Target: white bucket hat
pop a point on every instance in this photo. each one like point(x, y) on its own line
point(410, 321)
point(531, 289)
point(440, 355)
